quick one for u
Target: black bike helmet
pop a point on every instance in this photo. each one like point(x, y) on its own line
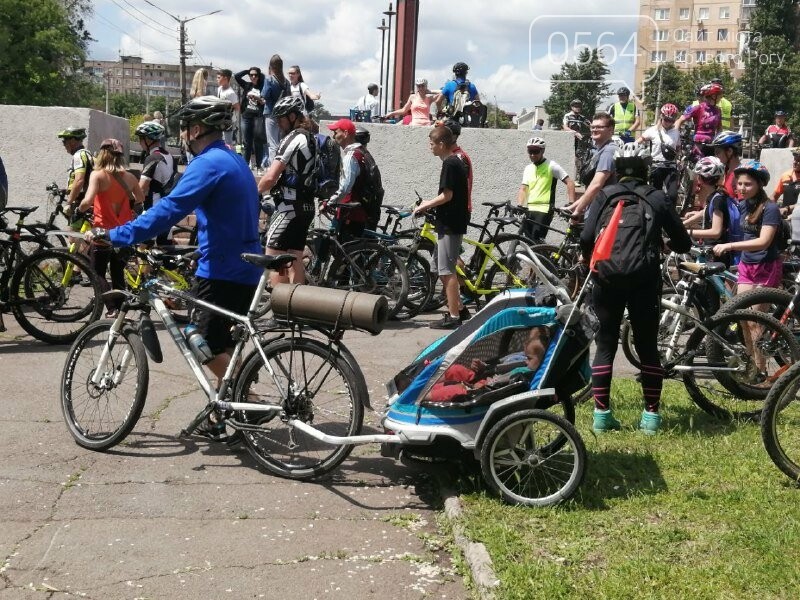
point(208, 110)
point(150, 130)
point(287, 105)
point(780, 113)
point(623, 91)
point(460, 68)
point(362, 136)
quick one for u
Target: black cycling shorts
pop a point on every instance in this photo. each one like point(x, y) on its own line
point(288, 228)
point(232, 296)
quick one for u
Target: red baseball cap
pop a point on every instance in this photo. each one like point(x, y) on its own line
point(345, 125)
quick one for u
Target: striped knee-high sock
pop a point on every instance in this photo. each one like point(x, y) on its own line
point(652, 379)
point(601, 386)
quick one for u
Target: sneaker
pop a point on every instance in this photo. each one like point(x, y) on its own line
point(650, 422)
point(211, 430)
point(463, 314)
point(446, 322)
point(604, 420)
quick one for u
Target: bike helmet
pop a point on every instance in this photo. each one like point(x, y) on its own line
point(669, 111)
point(77, 133)
point(617, 141)
point(710, 89)
point(454, 126)
point(460, 68)
point(623, 91)
point(755, 169)
point(576, 102)
point(727, 139)
point(150, 130)
point(208, 110)
point(362, 136)
point(632, 160)
point(780, 113)
point(709, 167)
point(537, 142)
point(287, 105)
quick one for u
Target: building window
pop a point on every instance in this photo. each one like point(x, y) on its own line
point(662, 35)
point(700, 56)
point(682, 35)
point(702, 35)
point(702, 14)
point(136, 73)
point(117, 81)
point(680, 56)
point(662, 14)
point(658, 56)
point(748, 2)
point(724, 12)
point(684, 14)
point(747, 13)
point(722, 35)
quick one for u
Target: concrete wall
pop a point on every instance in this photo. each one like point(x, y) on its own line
point(498, 155)
point(777, 161)
point(34, 157)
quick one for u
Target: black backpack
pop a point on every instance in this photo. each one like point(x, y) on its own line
point(635, 250)
point(327, 165)
point(372, 194)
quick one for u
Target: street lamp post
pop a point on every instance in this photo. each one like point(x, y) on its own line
point(389, 13)
point(182, 39)
point(382, 29)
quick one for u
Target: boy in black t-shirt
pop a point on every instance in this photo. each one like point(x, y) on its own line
point(452, 217)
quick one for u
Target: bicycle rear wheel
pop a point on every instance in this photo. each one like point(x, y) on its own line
point(100, 415)
point(780, 423)
point(758, 345)
point(420, 289)
point(50, 301)
point(320, 389)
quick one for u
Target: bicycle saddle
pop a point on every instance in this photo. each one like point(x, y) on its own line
point(268, 262)
point(19, 210)
point(703, 269)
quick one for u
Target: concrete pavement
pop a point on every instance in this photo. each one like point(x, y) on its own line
point(163, 517)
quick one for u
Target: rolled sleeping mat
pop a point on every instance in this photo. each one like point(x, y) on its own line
point(334, 308)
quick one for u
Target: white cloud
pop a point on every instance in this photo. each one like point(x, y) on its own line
point(338, 46)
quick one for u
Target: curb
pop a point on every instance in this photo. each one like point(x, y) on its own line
point(475, 553)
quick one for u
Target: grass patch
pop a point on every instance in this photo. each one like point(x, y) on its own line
point(698, 511)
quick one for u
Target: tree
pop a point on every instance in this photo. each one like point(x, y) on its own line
point(320, 113)
point(775, 17)
point(583, 80)
point(496, 118)
point(126, 105)
point(42, 51)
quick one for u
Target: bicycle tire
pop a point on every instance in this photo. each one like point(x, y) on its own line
point(86, 405)
point(776, 299)
point(319, 383)
point(780, 423)
point(47, 309)
point(419, 282)
point(506, 244)
point(381, 272)
point(527, 472)
point(738, 395)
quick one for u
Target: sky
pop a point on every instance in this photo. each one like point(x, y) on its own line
point(512, 47)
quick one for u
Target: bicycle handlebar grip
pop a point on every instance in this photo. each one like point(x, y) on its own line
point(335, 308)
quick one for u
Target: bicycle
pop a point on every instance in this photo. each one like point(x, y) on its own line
point(42, 290)
point(780, 423)
point(283, 386)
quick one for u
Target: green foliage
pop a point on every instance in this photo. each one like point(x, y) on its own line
point(42, 51)
point(126, 105)
point(775, 17)
point(497, 118)
point(584, 80)
point(678, 85)
point(320, 113)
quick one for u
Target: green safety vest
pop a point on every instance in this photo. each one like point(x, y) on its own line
point(726, 108)
point(542, 190)
point(624, 118)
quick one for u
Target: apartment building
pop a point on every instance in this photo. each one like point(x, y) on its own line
point(689, 33)
point(130, 74)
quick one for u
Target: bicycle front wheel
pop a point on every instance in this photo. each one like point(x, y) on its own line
point(780, 423)
point(100, 415)
point(420, 289)
point(314, 385)
point(50, 300)
point(756, 345)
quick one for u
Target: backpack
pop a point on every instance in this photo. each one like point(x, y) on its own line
point(735, 233)
point(460, 98)
point(372, 192)
point(634, 250)
point(327, 164)
point(588, 169)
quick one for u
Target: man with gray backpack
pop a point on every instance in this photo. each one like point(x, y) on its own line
point(622, 236)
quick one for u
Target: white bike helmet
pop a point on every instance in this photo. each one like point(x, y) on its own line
point(536, 142)
point(709, 167)
point(632, 160)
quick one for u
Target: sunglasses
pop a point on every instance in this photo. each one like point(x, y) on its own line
point(253, 74)
point(535, 150)
point(599, 127)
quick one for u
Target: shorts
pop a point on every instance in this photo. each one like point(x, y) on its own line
point(448, 249)
point(766, 274)
point(288, 228)
point(230, 295)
